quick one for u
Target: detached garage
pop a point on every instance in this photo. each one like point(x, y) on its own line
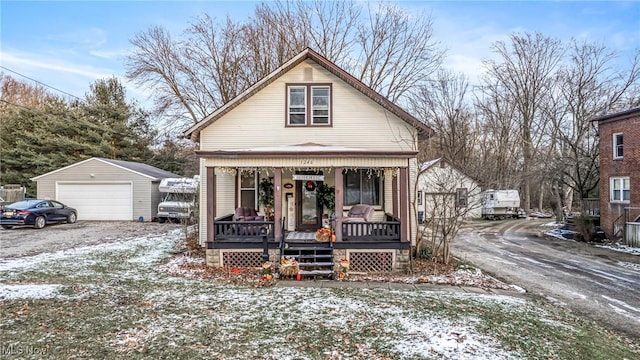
point(105, 189)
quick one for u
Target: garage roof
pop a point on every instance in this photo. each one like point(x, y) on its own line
point(149, 171)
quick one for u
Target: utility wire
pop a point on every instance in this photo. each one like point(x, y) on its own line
point(41, 83)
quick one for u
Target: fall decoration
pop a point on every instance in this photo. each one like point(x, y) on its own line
point(325, 234)
point(344, 268)
point(266, 271)
point(288, 267)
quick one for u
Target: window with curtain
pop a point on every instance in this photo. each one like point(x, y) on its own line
point(248, 190)
point(297, 105)
point(308, 105)
point(362, 187)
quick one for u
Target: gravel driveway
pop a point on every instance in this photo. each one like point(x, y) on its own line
point(597, 282)
point(23, 241)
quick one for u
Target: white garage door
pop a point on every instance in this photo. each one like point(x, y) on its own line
point(106, 201)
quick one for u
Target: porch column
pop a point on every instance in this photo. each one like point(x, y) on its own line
point(404, 204)
point(211, 203)
point(277, 193)
point(394, 197)
point(339, 201)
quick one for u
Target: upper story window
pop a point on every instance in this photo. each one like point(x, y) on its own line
point(309, 105)
point(619, 189)
point(617, 146)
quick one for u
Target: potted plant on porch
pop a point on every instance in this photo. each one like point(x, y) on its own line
point(265, 196)
point(327, 197)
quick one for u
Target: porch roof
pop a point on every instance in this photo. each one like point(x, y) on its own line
point(308, 149)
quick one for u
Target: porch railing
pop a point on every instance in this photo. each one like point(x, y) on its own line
point(225, 229)
point(590, 206)
point(373, 231)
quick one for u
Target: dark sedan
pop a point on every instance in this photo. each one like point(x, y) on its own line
point(37, 213)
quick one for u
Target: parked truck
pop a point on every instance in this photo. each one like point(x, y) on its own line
point(179, 199)
point(501, 204)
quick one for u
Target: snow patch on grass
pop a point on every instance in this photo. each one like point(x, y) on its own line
point(621, 248)
point(445, 339)
point(152, 249)
point(28, 291)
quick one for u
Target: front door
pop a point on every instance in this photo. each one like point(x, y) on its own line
point(308, 212)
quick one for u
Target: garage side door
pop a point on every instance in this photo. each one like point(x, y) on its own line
point(105, 201)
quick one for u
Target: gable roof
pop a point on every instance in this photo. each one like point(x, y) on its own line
point(194, 131)
point(431, 163)
point(149, 171)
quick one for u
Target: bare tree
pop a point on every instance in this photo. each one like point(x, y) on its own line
point(525, 73)
point(157, 64)
point(391, 51)
point(331, 27)
point(498, 149)
point(443, 104)
point(590, 86)
point(17, 93)
point(449, 197)
point(397, 50)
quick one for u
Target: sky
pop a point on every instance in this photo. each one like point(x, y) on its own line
point(68, 45)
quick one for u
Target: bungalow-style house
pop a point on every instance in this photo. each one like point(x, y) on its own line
point(438, 181)
point(309, 146)
point(620, 175)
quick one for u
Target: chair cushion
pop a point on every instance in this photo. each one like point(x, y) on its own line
point(247, 214)
point(360, 212)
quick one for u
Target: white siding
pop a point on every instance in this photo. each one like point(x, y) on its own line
point(413, 178)
point(357, 121)
point(202, 223)
point(429, 182)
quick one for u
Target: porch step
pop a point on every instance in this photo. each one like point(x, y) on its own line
point(306, 248)
point(316, 272)
point(315, 264)
point(314, 259)
point(315, 256)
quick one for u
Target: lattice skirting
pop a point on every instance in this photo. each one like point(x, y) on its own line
point(242, 258)
point(371, 261)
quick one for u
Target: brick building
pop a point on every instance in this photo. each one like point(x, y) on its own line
point(619, 170)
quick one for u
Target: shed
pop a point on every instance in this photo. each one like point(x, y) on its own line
point(439, 176)
point(105, 189)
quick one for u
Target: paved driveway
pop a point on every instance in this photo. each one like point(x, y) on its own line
point(599, 283)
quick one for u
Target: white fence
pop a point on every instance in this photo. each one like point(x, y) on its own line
point(632, 234)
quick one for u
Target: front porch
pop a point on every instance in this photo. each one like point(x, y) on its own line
point(374, 246)
point(289, 186)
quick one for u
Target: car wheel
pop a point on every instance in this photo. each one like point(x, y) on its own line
point(161, 220)
point(72, 218)
point(8, 227)
point(40, 222)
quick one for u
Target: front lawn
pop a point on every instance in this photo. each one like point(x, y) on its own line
point(128, 300)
